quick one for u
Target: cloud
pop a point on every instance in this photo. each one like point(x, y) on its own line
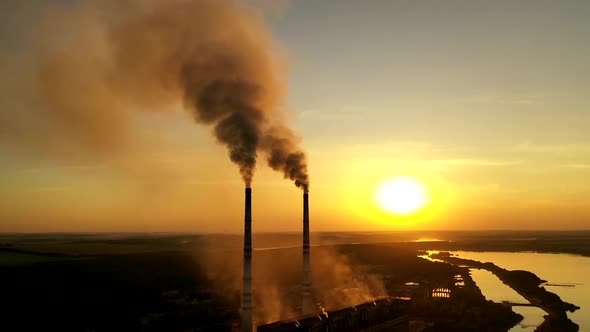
point(578, 166)
point(473, 162)
point(561, 148)
point(507, 98)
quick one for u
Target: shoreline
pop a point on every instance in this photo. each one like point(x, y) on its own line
point(529, 286)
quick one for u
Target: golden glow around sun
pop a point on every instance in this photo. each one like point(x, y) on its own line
point(402, 195)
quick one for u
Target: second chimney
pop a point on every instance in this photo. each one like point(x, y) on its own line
point(307, 305)
point(247, 286)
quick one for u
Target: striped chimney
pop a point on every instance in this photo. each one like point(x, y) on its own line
point(307, 305)
point(247, 281)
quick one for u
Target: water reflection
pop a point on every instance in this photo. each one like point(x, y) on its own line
point(495, 290)
point(533, 317)
point(557, 269)
point(428, 256)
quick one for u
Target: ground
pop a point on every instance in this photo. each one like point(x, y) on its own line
point(184, 282)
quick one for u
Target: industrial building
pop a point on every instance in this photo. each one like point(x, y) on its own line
point(383, 314)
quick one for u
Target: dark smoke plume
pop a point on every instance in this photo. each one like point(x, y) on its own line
point(90, 63)
point(286, 157)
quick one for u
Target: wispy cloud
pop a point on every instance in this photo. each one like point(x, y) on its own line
point(507, 98)
point(474, 162)
point(578, 166)
point(50, 189)
point(528, 146)
point(397, 150)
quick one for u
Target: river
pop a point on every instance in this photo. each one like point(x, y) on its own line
point(568, 276)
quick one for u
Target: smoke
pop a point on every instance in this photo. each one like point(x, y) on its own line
point(337, 280)
point(89, 65)
point(284, 156)
point(276, 279)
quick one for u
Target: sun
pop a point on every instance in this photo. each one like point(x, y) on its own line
point(402, 195)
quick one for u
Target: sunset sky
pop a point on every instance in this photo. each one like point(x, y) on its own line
point(485, 102)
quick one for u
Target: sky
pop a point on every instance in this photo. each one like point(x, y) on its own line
point(484, 102)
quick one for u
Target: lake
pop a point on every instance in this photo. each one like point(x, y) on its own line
point(570, 274)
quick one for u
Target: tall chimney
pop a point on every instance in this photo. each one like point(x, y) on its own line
point(307, 305)
point(247, 285)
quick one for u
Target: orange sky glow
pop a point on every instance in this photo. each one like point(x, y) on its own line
point(491, 119)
